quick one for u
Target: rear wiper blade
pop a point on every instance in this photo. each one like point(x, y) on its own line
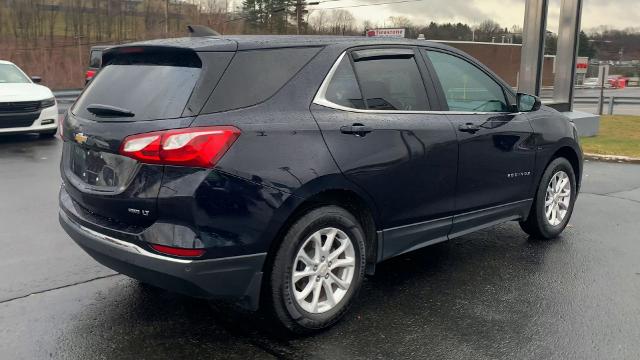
point(109, 111)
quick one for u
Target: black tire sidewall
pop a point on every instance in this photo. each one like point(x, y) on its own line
point(296, 318)
point(547, 230)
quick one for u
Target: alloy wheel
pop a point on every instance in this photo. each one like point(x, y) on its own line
point(323, 270)
point(557, 199)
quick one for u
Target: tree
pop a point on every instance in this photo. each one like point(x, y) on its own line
point(585, 48)
point(400, 22)
point(488, 30)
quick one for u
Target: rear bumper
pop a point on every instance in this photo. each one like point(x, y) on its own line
point(237, 279)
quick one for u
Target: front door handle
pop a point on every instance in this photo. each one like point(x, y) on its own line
point(356, 129)
point(469, 128)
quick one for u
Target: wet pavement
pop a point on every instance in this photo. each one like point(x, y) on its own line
point(492, 294)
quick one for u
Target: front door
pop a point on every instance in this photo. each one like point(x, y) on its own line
point(376, 124)
point(496, 147)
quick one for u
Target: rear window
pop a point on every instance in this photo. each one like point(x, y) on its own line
point(150, 85)
point(255, 75)
point(96, 59)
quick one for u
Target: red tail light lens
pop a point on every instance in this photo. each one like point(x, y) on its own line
point(89, 75)
point(195, 147)
point(177, 251)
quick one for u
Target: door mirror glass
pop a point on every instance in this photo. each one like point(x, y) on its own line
point(528, 102)
point(36, 79)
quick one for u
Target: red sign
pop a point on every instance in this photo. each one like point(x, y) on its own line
point(386, 32)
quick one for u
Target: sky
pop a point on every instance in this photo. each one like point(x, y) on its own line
point(611, 13)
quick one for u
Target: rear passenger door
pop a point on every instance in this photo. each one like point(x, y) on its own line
point(374, 112)
point(496, 147)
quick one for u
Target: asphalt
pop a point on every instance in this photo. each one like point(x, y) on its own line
point(495, 294)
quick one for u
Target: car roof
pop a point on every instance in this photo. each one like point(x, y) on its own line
point(4, 62)
point(249, 42)
point(100, 47)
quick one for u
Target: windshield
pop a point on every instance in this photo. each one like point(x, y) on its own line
point(11, 74)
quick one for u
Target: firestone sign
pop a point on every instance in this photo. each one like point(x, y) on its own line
point(387, 32)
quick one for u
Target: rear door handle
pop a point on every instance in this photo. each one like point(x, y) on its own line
point(469, 128)
point(356, 129)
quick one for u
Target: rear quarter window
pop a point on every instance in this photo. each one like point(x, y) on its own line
point(255, 75)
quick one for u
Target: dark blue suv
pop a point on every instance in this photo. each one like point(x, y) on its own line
point(275, 172)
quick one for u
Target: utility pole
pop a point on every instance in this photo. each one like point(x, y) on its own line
point(298, 5)
point(166, 18)
point(79, 38)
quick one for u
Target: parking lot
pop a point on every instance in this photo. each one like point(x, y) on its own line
point(492, 294)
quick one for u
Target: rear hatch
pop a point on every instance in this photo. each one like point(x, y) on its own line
point(139, 89)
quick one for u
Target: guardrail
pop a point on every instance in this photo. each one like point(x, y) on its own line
point(610, 101)
point(67, 96)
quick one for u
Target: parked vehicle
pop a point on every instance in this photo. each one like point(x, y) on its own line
point(95, 61)
point(591, 83)
point(276, 172)
point(25, 106)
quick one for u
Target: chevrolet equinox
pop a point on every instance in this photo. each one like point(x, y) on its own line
point(274, 172)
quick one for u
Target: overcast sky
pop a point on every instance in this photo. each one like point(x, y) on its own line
point(612, 13)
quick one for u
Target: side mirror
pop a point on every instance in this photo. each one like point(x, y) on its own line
point(527, 103)
point(36, 79)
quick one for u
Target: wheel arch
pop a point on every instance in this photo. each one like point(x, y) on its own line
point(571, 155)
point(350, 199)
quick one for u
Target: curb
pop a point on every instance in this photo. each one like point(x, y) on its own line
point(612, 158)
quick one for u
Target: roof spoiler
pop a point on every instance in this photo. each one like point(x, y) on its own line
point(201, 30)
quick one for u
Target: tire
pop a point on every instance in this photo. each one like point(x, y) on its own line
point(538, 223)
point(298, 316)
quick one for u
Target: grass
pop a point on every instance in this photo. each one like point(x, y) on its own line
point(618, 135)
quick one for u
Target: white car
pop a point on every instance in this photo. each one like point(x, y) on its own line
point(25, 107)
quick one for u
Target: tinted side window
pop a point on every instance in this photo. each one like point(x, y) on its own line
point(466, 87)
point(343, 88)
point(255, 75)
point(96, 59)
point(392, 84)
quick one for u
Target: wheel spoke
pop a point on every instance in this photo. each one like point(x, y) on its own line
point(329, 292)
point(306, 259)
point(341, 284)
point(339, 250)
point(299, 275)
point(346, 262)
point(562, 184)
point(317, 247)
point(331, 235)
point(316, 296)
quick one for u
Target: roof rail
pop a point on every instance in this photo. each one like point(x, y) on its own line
point(201, 30)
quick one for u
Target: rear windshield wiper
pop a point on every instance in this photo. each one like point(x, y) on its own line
point(109, 111)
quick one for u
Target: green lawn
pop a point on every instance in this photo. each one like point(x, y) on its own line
point(619, 135)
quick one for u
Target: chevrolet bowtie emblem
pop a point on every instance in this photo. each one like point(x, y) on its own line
point(80, 138)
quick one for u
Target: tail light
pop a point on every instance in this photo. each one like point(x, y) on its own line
point(195, 147)
point(168, 250)
point(89, 75)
